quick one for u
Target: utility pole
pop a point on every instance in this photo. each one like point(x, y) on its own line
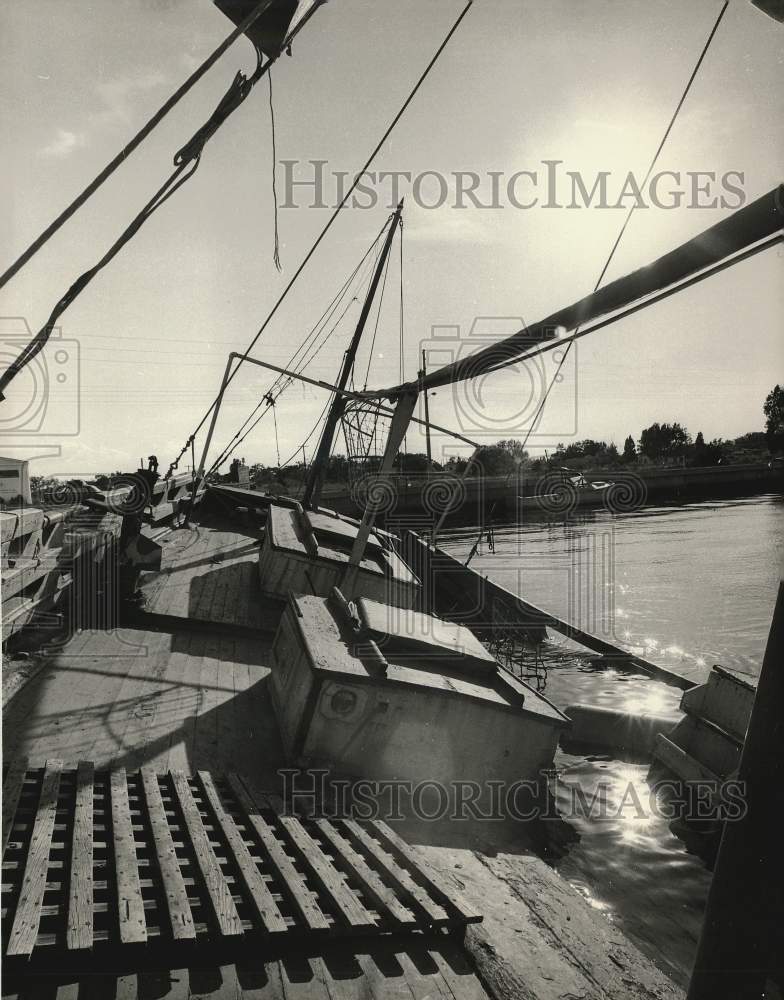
point(318, 468)
point(422, 372)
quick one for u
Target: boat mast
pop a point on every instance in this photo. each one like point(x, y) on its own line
point(422, 374)
point(318, 469)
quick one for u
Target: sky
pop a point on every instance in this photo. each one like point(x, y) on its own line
point(592, 84)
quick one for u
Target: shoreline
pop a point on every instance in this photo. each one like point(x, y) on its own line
point(511, 498)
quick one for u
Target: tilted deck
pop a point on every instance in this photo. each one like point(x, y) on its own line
point(184, 689)
point(138, 825)
point(106, 860)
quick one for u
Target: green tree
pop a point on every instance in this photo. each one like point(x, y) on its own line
point(773, 409)
point(629, 450)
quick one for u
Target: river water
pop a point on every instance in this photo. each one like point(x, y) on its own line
point(686, 587)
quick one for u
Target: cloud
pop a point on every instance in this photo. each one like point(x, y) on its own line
point(119, 93)
point(64, 143)
point(448, 225)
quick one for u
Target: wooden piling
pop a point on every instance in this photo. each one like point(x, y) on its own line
point(738, 953)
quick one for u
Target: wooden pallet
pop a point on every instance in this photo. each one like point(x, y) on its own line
point(108, 861)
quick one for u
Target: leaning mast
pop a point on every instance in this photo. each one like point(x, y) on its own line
point(318, 469)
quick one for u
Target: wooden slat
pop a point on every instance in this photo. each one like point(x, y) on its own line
point(180, 915)
point(302, 896)
point(79, 933)
point(133, 927)
point(24, 931)
point(12, 789)
point(399, 876)
point(371, 878)
point(383, 897)
point(223, 906)
point(441, 888)
point(328, 877)
point(261, 897)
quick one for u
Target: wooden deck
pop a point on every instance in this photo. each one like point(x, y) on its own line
point(209, 573)
point(184, 689)
point(133, 698)
point(103, 861)
point(428, 967)
point(181, 691)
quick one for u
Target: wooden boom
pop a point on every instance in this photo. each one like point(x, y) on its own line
point(760, 220)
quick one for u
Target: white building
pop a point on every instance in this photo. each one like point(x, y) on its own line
point(14, 481)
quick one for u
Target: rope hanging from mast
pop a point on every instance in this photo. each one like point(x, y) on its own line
point(300, 357)
point(276, 250)
point(352, 187)
point(186, 161)
point(134, 143)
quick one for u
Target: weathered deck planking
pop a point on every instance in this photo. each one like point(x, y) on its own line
point(130, 905)
point(220, 895)
point(180, 916)
point(156, 862)
point(24, 929)
point(139, 699)
point(211, 575)
point(80, 897)
point(428, 969)
point(264, 904)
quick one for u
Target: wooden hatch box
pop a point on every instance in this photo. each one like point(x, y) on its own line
point(307, 552)
point(379, 692)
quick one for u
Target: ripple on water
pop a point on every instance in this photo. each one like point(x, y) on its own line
point(696, 585)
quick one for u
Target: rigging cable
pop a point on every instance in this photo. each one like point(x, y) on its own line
point(404, 107)
point(306, 345)
point(287, 381)
point(402, 348)
point(189, 156)
point(375, 328)
point(314, 428)
point(181, 174)
point(136, 141)
point(276, 250)
point(271, 403)
point(576, 335)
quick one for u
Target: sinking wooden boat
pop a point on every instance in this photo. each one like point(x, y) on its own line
point(706, 743)
point(370, 690)
point(308, 551)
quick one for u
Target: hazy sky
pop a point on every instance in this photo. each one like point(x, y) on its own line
point(591, 83)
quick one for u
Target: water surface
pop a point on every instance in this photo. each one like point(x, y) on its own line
point(686, 587)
